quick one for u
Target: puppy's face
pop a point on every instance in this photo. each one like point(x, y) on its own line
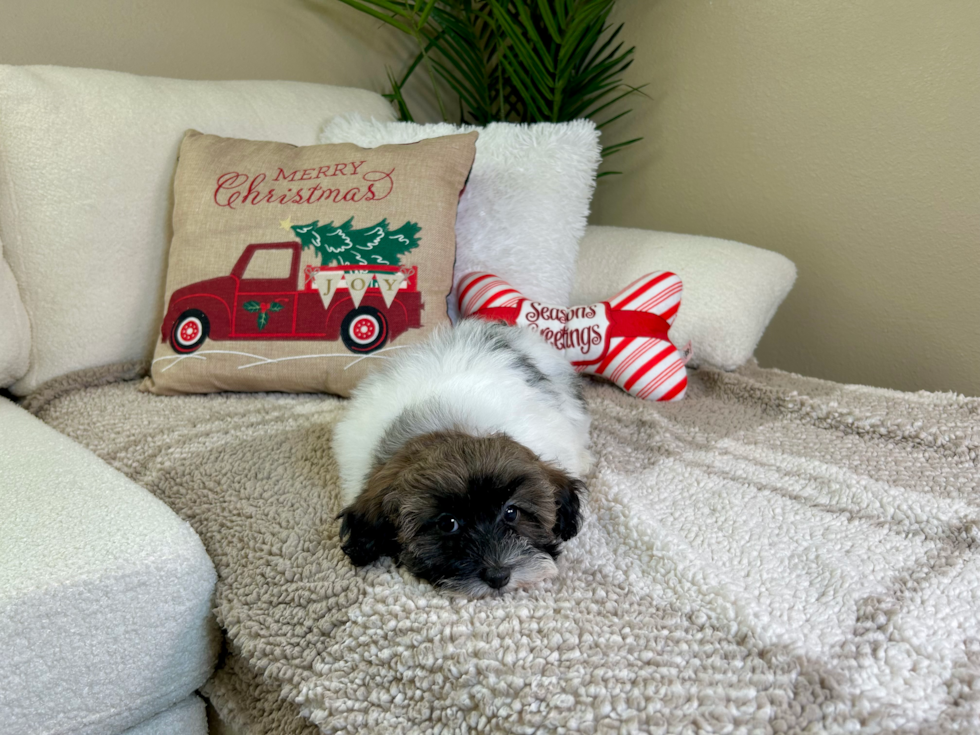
point(473, 514)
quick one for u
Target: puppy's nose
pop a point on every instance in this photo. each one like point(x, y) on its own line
point(496, 578)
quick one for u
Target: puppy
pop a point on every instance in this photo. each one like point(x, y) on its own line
point(462, 459)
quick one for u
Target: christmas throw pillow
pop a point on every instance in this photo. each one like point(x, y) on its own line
point(298, 268)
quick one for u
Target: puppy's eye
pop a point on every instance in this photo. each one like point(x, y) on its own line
point(447, 524)
point(511, 513)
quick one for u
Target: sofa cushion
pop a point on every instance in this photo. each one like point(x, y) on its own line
point(731, 290)
point(86, 164)
point(15, 331)
point(105, 595)
point(187, 717)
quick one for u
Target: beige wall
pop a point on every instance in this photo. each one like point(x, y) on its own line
point(302, 40)
point(845, 135)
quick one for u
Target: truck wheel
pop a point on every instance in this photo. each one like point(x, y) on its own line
point(189, 331)
point(364, 330)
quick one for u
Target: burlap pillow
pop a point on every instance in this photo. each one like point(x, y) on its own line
point(296, 269)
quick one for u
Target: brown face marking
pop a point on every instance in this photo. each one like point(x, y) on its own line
point(471, 480)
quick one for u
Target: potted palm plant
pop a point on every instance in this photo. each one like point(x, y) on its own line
point(514, 60)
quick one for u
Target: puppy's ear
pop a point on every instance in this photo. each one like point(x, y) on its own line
point(366, 531)
point(567, 514)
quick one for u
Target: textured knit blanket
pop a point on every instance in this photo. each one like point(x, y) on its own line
point(772, 553)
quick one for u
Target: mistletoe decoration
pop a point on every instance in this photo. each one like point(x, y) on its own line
point(263, 309)
point(345, 245)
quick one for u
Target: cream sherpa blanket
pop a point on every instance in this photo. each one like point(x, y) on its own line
point(773, 553)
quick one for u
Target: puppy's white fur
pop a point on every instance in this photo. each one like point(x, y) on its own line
point(479, 378)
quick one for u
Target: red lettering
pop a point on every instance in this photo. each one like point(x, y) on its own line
point(328, 194)
point(228, 182)
point(582, 312)
point(314, 190)
point(320, 174)
point(384, 181)
point(555, 337)
point(256, 180)
point(546, 313)
point(597, 335)
point(355, 166)
point(231, 190)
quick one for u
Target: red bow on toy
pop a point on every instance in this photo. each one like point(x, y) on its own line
point(623, 339)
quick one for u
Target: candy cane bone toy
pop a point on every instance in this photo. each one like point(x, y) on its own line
point(623, 340)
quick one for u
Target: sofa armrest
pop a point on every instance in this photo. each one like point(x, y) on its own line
point(731, 290)
point(105, 594)
point(15, 330)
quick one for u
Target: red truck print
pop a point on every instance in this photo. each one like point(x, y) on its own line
point(267, 302)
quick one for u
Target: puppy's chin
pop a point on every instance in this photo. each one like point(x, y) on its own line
point(529, 573)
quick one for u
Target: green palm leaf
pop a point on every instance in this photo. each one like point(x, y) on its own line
point(515, 60)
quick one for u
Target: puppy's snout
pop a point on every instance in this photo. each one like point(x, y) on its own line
point(496, 578)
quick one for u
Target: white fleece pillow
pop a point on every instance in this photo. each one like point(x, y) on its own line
point(87, 159)
point(15, 331)
point(731, 290)
point(526, 205)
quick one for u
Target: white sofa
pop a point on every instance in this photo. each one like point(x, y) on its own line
point(105, 594)
point(773, 552)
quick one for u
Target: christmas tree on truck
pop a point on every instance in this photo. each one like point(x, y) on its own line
point(344, 244)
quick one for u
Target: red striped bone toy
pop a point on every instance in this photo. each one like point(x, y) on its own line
point(623, 339)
